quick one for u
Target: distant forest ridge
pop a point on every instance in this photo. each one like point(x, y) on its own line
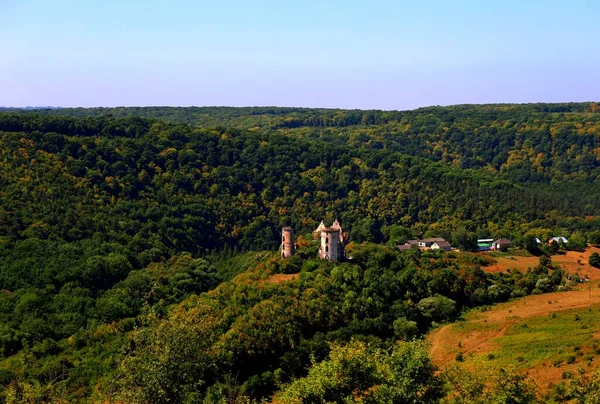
point(213, 115)
point(527, 142)
point(217, 186)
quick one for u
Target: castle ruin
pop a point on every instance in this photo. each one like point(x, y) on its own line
point(287, 242)
point(333, 240)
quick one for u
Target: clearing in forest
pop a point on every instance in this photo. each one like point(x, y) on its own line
point(544, 335)
point(280, 278)
point(571, 261)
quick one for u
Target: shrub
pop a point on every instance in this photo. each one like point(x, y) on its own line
point(405, 329)
point(545, 261)
point(545, 285)
point(594, 260)
point(437, 308)
point(406, 375)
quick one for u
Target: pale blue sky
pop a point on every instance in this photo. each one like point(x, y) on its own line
point(347, 54)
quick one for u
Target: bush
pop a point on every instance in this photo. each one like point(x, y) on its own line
point(437, 308)
point(545, 285)
point(545, 261)
point(594, 260)
point(405, 329)
point(594, 238)
point(406, 375)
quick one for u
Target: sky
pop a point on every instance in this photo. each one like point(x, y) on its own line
point(374, 54)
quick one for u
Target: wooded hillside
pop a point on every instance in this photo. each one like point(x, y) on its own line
point(111, 218)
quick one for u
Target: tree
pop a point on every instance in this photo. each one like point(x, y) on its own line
point(358, 372)
point(544, 285)
point(171, 361)
point(464, 239)
point(363, 231)
point(545, 261)
point(530, 243)
point(504, 386)
point(594, 238)
point(594, 260)
point(405, 329)
point(437, 308)
point(585, 389)
point(399, 234)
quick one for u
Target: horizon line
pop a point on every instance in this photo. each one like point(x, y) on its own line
point(51, 107)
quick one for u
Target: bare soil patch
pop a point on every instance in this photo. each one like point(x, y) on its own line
point(572, 261)
point(280, 278)
point(478, 335)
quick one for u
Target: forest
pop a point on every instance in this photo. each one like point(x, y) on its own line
point(137, 245)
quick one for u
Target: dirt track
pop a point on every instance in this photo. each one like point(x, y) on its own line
point(568, 261)
point(444, 341)
point(491, 325)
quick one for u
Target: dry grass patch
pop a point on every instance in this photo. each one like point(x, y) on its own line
point(542, 334)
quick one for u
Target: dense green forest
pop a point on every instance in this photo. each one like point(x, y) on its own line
point(115, 222)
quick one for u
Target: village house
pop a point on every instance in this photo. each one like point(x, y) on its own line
point(441, 245)
point(484, 244)
point(408, 245)
point(428, 242)
point(501, 244)
point(559, 240)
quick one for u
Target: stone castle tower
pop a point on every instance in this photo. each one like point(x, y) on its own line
point(333, 240)
point(287, 242)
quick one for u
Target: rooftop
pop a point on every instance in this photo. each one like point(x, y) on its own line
point(330, 230)
point(432, 240)
point(443, 244)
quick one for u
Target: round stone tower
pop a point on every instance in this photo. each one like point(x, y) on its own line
point(287, 242)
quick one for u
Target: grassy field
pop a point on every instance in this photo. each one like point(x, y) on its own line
point(545, 335)
point(574, 262)
point(561, 337)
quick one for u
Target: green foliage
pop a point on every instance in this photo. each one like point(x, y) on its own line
point(105, 213)
point(530, 244)
point(399, 234)
point(172, 359)
point(504, 386)
point(594, 238)
point(594, 260)
point(404, 329)
point(580, 388)
point(437, 308)
point(361, 373)
point(545, 261)
point(264, 333)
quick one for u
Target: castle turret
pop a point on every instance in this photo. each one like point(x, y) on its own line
point(331, 248)
point(287, 242)
point(318, 230)
point(336, 225)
